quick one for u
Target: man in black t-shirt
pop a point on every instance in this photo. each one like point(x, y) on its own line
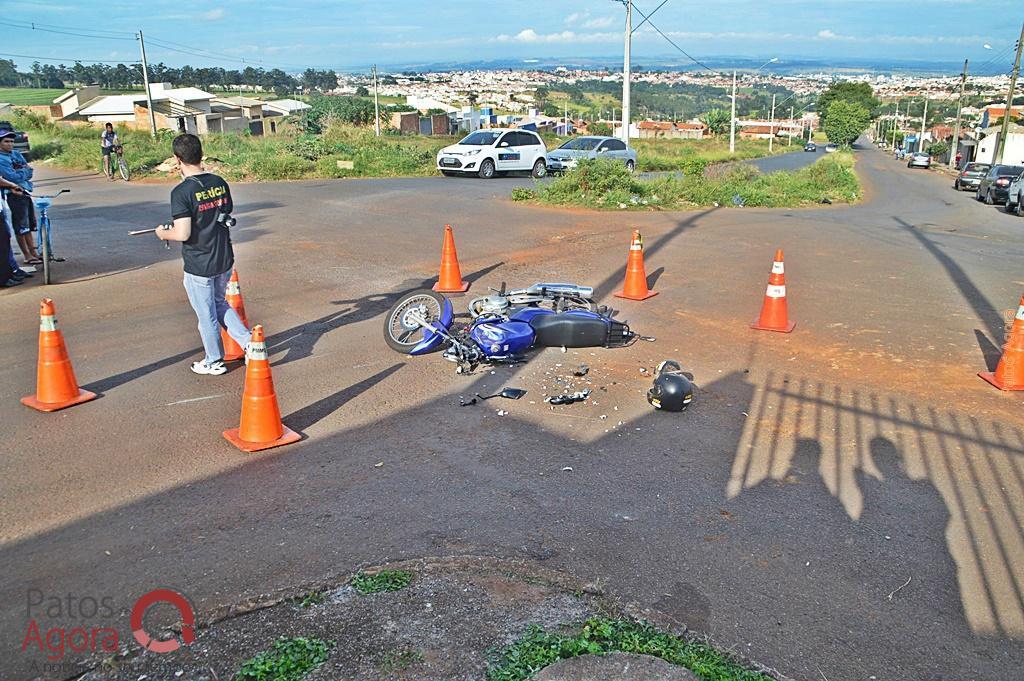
point(200, 206)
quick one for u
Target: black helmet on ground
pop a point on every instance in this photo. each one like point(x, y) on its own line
point(671, 391)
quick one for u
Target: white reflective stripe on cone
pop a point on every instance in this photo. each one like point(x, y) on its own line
point(776, 291)
point(47, 322)
point(257, 351)
point(778, 268)
point(1020, 313)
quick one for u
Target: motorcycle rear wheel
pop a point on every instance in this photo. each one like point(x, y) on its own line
point(400, 333)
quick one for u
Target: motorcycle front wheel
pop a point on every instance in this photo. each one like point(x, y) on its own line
point(401, 333)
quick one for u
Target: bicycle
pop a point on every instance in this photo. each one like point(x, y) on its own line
point(42, 203)
point(122, 165)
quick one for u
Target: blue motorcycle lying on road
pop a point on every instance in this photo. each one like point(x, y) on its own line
point(504, 326)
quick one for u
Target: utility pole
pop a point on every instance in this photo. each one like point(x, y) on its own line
point(625, 71)
point(924, 118)
point(149, 95)
point(376, 103)
point(771, 126)
point(1009, 99)
point(895, 125)
point(732, 120)
point(956, 129)
point(789, 137)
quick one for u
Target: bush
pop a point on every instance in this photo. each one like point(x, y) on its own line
point(272, 167)
point(523, 194)
point(606, 184)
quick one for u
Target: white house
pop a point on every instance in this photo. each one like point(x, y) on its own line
point(1013, 154)
point(185, 109)
point(285, 107)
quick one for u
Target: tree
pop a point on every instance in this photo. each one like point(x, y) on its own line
point(361, 91)
point(600, 129)
point(717, 120)
point(857, 93)
point(845, 122)
point(938, 148)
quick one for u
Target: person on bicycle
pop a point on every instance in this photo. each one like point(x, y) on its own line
point(108, 143)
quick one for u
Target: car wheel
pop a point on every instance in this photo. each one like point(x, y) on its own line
point(486, 171)
point(956, 185)
point(540, 168)
point(630, 166)
point(1020, 206)
point(977, 194)
point(1008, 207)
point(989, 200)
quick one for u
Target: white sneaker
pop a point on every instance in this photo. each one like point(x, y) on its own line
point(215, 369)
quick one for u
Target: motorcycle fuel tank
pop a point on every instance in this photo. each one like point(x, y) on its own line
point(497, 339)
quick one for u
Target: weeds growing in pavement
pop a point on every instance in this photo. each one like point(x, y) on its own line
point(399, 659)
point(537, 649)
point(377, 582)
point(310, 599)
point(606, 184)
point(290, 659)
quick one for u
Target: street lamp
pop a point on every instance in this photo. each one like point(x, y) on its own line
point(732, 123)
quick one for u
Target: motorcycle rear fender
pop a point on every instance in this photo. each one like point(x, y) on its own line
point(436, 333)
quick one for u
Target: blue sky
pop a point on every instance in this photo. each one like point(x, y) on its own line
point(350, 34)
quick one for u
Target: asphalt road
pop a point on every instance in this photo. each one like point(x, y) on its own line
point(842, 502)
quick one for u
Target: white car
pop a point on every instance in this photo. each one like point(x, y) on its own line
point(486, 152)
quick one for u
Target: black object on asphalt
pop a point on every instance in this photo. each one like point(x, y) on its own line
point(507, 393)
point(671, 391)
point(581, 370)
point(580, 396)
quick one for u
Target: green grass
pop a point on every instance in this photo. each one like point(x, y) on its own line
point(310, 599)
point(377, 582)
point(694, 155)
point(538, 649)
point(399, 659)
point(606, 184)
point(27, 96)
point(290, 659)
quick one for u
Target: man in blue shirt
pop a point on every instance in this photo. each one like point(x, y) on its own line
point(14, 168)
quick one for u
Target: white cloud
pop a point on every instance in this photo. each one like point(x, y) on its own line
point(213, 14)
point(530, 36)
point(601, 22)
point(576, 16)
point(826, 34)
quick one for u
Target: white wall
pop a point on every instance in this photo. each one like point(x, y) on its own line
point(1013, 154)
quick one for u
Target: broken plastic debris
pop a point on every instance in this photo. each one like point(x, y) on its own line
point(567, 468)
point(378, 464)
point(580, 396)
point(581, 370)
point(502, 412)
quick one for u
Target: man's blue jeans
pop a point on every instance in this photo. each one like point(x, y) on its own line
point(207, 297)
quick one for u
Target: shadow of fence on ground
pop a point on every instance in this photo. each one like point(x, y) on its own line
point(977, 468)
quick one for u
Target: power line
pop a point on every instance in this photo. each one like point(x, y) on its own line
point(74, 33)
point(91, 61)
point(41, 26)
point(671, 42)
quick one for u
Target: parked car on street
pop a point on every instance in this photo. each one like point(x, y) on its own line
point(919, 159)
point(485, 153)
point(572, 151)
point(20, 140)
point(829, 148)
point(1015, 196)
point(810, 146)
point(993, 187)
point(971, 175)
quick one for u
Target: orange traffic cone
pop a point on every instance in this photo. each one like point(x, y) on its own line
point(56, 387)
point(450, 278)
point(1009, 374)
point(774, 311)
point(261, 426)
point(635, 286)
point(233, 295)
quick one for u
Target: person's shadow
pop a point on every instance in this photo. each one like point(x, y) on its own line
point(903, 536)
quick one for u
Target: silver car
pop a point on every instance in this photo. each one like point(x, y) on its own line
point(572, 151)
point(919, 159)
point(1015, 196)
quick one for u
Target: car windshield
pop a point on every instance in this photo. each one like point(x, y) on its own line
point(481, 138)
point(582, 143)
